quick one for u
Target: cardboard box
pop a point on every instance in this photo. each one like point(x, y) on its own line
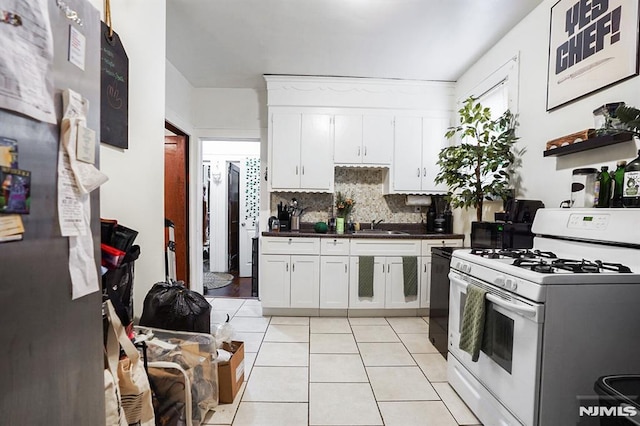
point(231, 373)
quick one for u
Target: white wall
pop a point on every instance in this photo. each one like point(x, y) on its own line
point(134, 194)
point(549, 178)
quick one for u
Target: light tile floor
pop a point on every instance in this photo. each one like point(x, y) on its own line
point(336, 371)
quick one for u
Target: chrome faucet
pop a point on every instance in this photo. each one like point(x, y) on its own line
point(374, 223)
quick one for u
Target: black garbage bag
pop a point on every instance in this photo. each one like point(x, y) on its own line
point(171, 306)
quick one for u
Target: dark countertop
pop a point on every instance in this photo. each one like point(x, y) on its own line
point(416, 236)
point(414, 231)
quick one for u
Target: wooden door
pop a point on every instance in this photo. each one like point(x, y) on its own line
point(233, 217)
point(176, 200)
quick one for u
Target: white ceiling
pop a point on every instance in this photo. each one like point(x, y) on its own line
point(232, 43)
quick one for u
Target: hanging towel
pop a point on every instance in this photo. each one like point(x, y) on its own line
point(473, 321)
point(410, 275)
point(365, 276)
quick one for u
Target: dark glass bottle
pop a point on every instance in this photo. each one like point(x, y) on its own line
point(603, 188)
point(631, 185)
point(618, 182)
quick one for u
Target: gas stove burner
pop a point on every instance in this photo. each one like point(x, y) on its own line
point(583, 266)
point(489, 254)
point(617, 267)
point(537, 265)
point(570, 265)
point(547, 254)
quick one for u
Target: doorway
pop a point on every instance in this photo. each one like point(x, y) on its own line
point(176, 198)
point(233, 213)
point(231, 187)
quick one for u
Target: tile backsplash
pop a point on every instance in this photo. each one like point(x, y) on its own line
point(365, 187)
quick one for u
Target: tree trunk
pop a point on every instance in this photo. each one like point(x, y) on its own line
point(479, 211)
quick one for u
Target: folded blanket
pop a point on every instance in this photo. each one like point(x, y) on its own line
point(473, 318)
point(365, 276)
point(410, 275)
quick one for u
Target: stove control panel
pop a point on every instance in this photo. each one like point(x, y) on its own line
point(508, 283)
point(588, 221)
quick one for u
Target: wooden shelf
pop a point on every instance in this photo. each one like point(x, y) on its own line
point(592, 143)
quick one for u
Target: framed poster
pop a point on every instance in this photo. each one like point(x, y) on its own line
point(592, 44)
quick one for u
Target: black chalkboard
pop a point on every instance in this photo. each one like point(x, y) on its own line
point(114, 90)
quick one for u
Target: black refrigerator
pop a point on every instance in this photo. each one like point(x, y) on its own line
point(51, 356)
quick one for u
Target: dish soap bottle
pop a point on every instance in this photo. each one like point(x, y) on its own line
point(631, 186)
point(618, 182)
point(603, 188)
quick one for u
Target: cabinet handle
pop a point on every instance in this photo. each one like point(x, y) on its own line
point(418, 171)
point(296, 170)
point(293, 267)
point(302, 169)
point(365, 151)
point(424, 172)
point(425, 267)
point(287, 267)
point(358, 151)
point(345, 268)
point(383, 268)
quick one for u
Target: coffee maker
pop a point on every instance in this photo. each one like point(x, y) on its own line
point(439, 216)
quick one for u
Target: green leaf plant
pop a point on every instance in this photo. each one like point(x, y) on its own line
point(630, 118)
point(482, 165)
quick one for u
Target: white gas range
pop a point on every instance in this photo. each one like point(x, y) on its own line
point(558, 317)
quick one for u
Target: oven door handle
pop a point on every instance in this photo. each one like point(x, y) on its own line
point(528, 311)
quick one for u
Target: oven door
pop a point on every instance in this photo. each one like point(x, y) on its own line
point(508, 365)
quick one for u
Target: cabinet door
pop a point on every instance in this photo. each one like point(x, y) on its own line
point(407, 158)
point(377, 139)
point(433, 140)
point(334, 282)
point(425, 281)
point(395, 297)
point(375, 302)
point(305, 282)
point(316, 150)
point(347, 140)
point(285, 151)
point(275, 281)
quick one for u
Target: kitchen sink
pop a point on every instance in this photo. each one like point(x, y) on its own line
point(380, 232)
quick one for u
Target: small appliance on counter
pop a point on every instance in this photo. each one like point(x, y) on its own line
point(283, 217)
point(439, 216)
point(512, 228)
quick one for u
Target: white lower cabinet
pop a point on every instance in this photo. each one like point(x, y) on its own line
point(334, 273)
point(324, 273)
point(334, 282)
point(289, 279)
point(388, 277)
point(305, 282)
point(425, 266)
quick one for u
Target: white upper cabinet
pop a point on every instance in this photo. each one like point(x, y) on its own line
point(418, 141)
point(347, 139)
point(363, 139)
point(377, 139)
point(301, 152)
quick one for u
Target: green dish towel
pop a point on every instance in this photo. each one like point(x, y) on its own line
point(473, 321)
point(365, 276)
point(410, 275)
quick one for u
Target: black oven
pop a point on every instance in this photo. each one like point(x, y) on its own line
point(500, 235)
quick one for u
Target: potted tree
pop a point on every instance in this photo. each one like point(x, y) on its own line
point(480, 167)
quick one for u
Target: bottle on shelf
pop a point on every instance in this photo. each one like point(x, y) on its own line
point(603, 188)
point(631, 185)
point(618, 182)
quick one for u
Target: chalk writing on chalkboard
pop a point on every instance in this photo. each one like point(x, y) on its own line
point(114, 95)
